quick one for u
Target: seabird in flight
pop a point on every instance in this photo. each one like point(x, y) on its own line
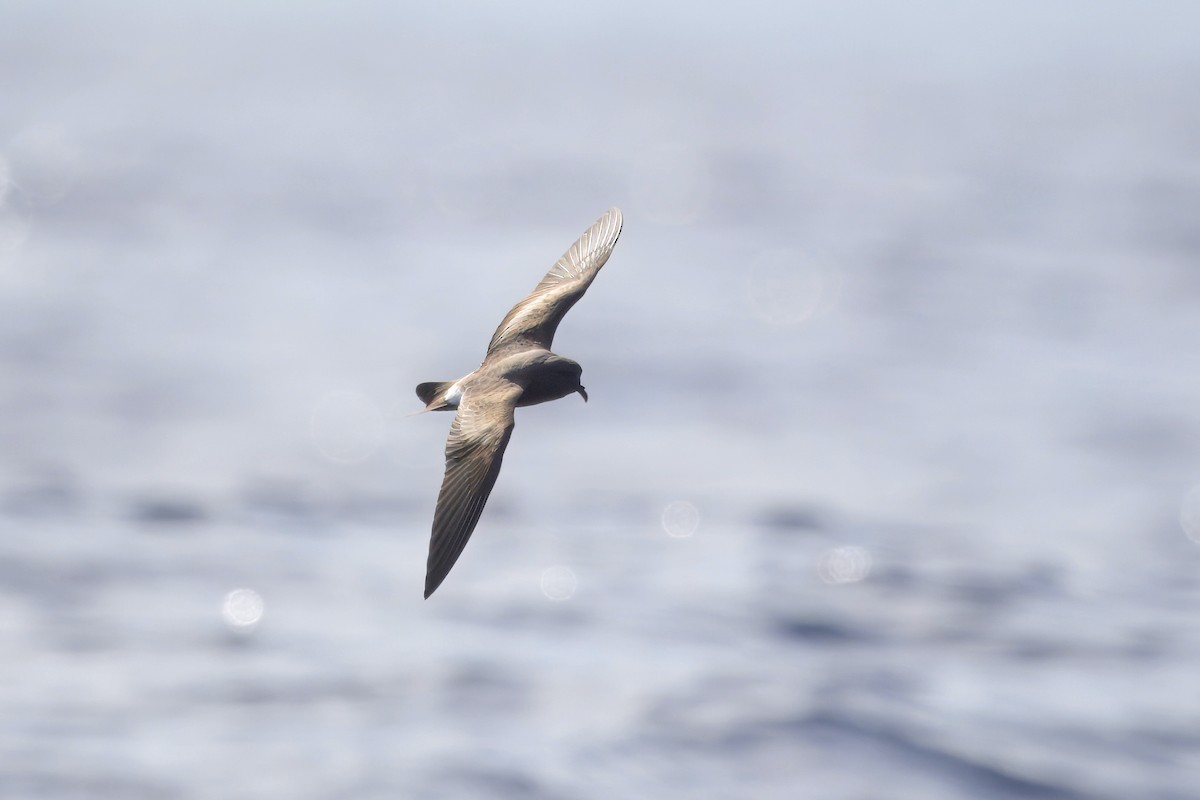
point(518, 370)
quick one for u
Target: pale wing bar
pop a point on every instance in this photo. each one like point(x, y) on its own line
point(536, 317)
point(588, 254)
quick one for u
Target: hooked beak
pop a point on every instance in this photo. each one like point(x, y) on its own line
point(582, 393)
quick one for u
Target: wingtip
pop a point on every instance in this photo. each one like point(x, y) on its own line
point(433, 581)
point(605, 230)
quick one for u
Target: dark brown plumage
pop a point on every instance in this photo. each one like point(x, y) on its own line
point(518, 370)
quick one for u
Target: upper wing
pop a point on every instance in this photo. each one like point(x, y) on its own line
point(474, 450)
point(534, 319)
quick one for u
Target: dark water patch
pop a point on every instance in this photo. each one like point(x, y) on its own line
point(60, 587)
point(288, 692)
point(978, 779)
point(882, 682)
point(1157, 745)
point(1149, 645)
point(473, 780)
point(1040, 650)
point(893, 577)
point(990, 590)
point(54, 492)
point(673, 731)
point(821, 631)
point(1139, 437)
point(162, 512)
point(1138, 646)
point(793, 519)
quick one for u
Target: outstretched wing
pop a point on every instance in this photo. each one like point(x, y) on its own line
point(534, 320)
point(474, 450)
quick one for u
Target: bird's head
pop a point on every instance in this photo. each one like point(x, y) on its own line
point(571, 374)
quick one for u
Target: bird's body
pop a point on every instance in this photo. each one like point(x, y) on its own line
point(518, 370)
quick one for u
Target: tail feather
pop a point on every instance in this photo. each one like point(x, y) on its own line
point(433, 391)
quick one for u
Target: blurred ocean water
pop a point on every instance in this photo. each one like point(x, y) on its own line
point(888, 486)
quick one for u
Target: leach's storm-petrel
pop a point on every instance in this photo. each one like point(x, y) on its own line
point(518, 370)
